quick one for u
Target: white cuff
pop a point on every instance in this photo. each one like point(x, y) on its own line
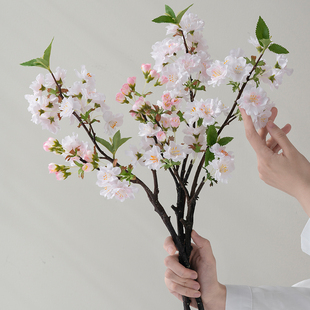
point(238, 297)
point(305, 238)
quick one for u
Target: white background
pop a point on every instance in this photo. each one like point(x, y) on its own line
point(63, 246)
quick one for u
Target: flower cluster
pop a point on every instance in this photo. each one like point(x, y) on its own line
point(183, 67)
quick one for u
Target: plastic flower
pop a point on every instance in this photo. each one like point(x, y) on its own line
point(107, 174)
point(217, 71)
point(223, 168)
point(147, 129)
point(68, 106)
point(253, 100)
point(153, 158)
point(174, 151)
point(112, 122)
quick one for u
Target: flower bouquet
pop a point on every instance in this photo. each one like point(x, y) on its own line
point(181, 132)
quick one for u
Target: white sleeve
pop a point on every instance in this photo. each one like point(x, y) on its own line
point(267, 298)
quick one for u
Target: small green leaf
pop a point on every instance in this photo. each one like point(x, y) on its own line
point(264, 42)
point(37, 62)
point(224, 141)
point(278, 49)
point(262, 31)
point(211, 135)
point(199, 122)
point(47, 53)
point(180, 15)
point(169, 11)
point(118, 141)
point(180, 115)
point(164, 19)
point(105, 143)
point(209, 156)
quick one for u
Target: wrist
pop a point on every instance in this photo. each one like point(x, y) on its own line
point(218, 301)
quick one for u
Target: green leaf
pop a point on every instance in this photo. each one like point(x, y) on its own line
point(169, 11)
point(264, 42)
point(278, 49)
point(211, 135)
point(164, 19)
point(224, 141)
point(47, 53)
point(262, 31)
point(209, 156)
point(37, 62)
point(180, 15)
point(118, 141)
point(180, 115)
point(105, 143)
point(41, 62)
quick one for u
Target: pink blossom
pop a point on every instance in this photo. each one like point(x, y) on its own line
point(131, 81)
point(120, 97)
point(161, 136)
point(52, 168)
point(146, 68)
point(48, 144)
point(87, 167)
point(60, 176)
point(154, 74)
point(165, 121)
point(126, 89)
point(175, 122)
point(138, 104)
point(163, 80)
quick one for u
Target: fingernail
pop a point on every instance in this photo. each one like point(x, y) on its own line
point(197, 294)
point(194, 275)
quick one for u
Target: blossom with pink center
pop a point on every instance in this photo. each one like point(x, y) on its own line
point(107, 175)
point(37, 85)
point(120, 97)
point(49, 144)
point(112, 121)
point(146, 68)
point(126, 89)
point(87, 167)
point(253, 100)
point(223, 168)
point(217, 71)
point(175, 122)
point(161, 136)
point(148, 129)
point(52, 168)
point(68, 106)
point(174, 151)
point(220, 151)
point(153, 158)
point(165, 120)
point(131, 82)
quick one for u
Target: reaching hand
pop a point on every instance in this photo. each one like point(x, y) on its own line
point(288, 170)
point(182, 281)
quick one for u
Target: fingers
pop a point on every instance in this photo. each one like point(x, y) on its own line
point(169, 246)
point(263, 131)
point(178, 289)
point(253, 137)
point(273, 144)
point(172, 262)
point(279, 136)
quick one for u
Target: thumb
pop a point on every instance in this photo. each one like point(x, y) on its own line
point(203, 244)
point(280, 137)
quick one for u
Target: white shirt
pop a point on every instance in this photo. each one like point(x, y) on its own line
point(297, 297)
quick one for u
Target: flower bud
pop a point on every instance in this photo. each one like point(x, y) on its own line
point(146, 68)
point(131, 82)
point(126, 89)
point(161, 136)
point(175, 122)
